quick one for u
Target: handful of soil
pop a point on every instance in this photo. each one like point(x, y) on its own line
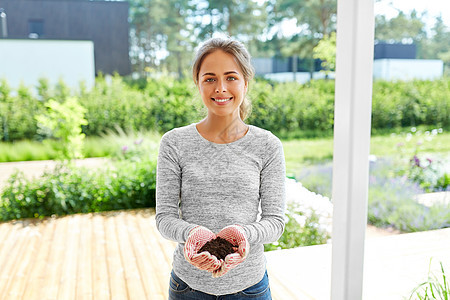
point(218, 247)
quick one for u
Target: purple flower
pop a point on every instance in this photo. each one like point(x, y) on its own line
point(138, 142)
point(124, 149)
point(429, 160)
point(416, 161)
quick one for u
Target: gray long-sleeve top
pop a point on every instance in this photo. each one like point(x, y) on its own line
point(215, 185)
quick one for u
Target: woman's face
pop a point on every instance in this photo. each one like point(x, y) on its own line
point(221, 84)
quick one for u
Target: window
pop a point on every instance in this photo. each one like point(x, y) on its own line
point(35, 28)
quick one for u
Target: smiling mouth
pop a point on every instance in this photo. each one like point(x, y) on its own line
point(220, 100)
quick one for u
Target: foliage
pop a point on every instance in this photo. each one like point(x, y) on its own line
point(290, 110)
point(299, 231)
point(132, 146)
point(244, 20)
point(308, 218)
point(411, 103)
point(392, 202)
point(64, 122)
point(68, 190)
point(164, 34)
point(400, 29)
point(27, 150)
point(16, 121)
point(392, 199)
point(326, 51)
point(428, 173)
point(161, 104)
point(432, 288)
point(431, 172)
point(156, 26)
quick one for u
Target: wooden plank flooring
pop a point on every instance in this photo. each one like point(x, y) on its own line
point(121, 255)
point(113, 255)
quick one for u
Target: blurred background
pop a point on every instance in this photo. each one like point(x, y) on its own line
point(87, 88)
point(141, 38)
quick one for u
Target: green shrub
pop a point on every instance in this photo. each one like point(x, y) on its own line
point(392, 204)
point(165, 103)
point(68, 190)
point(290, 110)
point(63, 122)
point(16, 113)
point(300, 230)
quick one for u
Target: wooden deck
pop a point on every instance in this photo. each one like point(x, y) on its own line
point(114, 255)
point(120, 255)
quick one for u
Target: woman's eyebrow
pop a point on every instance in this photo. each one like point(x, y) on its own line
point(211, 74)
point(226, 73)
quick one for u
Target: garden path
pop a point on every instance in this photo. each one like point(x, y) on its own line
point(37, 167)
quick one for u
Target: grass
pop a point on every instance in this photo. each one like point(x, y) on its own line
point(109, 145)
point(301, 153)
point(26, 150)
point(432, 288)
point(298, 153)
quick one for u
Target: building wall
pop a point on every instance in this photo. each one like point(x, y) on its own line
point(26, 61)
point(407, 69)
point(103, 22)
point(403, 51)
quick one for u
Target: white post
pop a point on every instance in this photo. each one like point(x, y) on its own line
point(353, 94)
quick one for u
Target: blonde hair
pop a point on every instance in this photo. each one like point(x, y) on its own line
point(242, 57)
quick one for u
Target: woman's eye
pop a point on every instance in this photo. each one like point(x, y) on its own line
point(209, 80)
point(231, 78)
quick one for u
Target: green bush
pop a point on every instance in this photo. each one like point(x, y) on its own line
point(68, 190)
point(63, 122)
point(164, 104)
point(300, 230)
point(16, 113)
point(289, 110)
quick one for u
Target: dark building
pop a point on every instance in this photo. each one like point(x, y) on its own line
point(103, 22)
point(397, 51)
point(280, 65)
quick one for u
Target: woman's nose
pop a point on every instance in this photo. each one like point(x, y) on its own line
point(221, 87)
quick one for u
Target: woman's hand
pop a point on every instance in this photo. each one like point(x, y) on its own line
point(235, 234)
point(198, 237)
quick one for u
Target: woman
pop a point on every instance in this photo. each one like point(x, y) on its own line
point(212, 176)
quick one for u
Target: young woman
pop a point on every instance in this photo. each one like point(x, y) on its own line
point(220, 177)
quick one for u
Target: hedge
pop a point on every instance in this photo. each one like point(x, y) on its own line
point(68, 190)
point(287, 109)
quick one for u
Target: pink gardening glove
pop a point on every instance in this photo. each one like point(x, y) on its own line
point(235, 234)
point(198, 237)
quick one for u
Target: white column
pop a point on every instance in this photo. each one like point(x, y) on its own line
point(354, 60)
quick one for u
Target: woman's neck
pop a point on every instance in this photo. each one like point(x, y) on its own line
point(222, 129)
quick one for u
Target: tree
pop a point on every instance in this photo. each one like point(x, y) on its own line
point(438, 46)
point(316, 18)
point(157, 28)
point(326, 51)
point(402, 29)
point(242, 19)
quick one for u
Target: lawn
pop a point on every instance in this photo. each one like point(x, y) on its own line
point(301, 153)
point(298, 153)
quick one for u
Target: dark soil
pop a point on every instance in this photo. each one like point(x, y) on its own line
point(218, 247)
